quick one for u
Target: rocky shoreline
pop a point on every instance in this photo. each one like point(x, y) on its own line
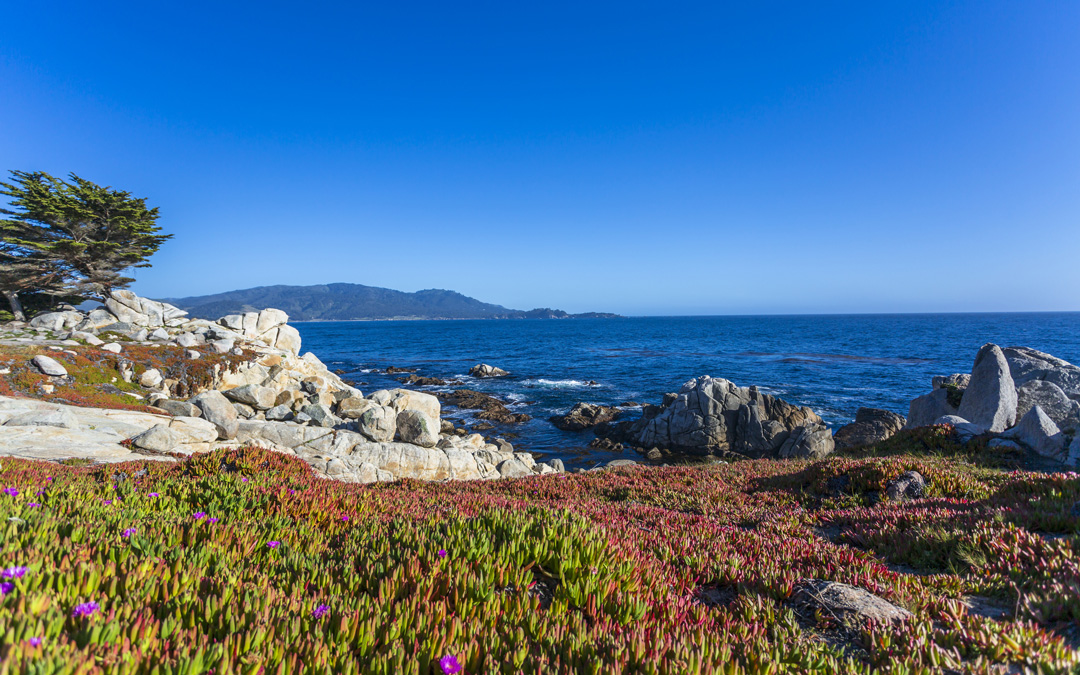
point(256, 389)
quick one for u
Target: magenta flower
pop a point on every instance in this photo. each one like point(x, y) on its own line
point(39, 493)
point(198, 515)
point(153, 494)
point(273, 544)
point(344, 519)
point(16, 572)
point(128, 532)
point(292, 491)
point(11, 492)
point(6, 587)
point(244, 480)
point(85, 609)
point(449, 664)
point(106, 502)
point(441, 553)
point(35, 641)
point(212, 520)
point(320, 611)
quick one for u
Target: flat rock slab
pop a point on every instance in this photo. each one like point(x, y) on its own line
point(56, 444)
point(848, 603)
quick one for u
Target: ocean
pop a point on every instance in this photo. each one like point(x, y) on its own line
point(834, 364)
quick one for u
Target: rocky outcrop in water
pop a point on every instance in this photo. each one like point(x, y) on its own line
point(491, 408)
point(483, 370)
point(585, 416)
point(710, 416)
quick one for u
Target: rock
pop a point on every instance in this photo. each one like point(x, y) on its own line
point(419, 381)
point(243, 411)
point(557, 464)
point(484, 370)
point(279, 413)
point(1057, 405)
point(585, 416)
point(493, 409)
point(194, 430)
point(270, 318)
point(96, 320)
point(909, 485)
point(927, 408)
point(1037, 431)
point(287, 339)
point(1026, 365)
point(1004, 444)
point(44, 418)
point(151, 378)
point(113, 347)
point(418, 428)
point(712, 415)
point(616, 463)
point(958, 380)
point(404, 399)
point(871, 426)
point(990, 398)
point(49, 366)
point(379, 423)
point(513, 468)
point(850, 604)
point(159, 334)
point(319, 414)
point(259, 398)
point(354, 407)
point(218, 410)
point(186, 340)
point(158, 438)
point(88, 338)
point(1073, 457)
point(56, 321)
point(179, 408)
point(192, 355)
point(222, 346)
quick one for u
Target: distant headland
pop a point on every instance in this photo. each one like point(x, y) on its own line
point(355, 302)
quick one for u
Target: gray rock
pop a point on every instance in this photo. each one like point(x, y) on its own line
point(354, 407)
point(958, 380)
point(186, 340)
point(557, 464)
point(871, 426)
point(990, 399)
point(1026, 365)
point(159, 334)
point(319, 415)
point(258, 397)
point(1004, 444)
point(1052, 399)
point(379, 423)
point(1037, 431)
point(850, 604)
point(56, 321)
point(88, 338)
point(484, 370)
point(96, 320)
point(1073, 456)
point(813, 442)
point(279, 413)
point(909, 485)
point(616, 463)
point(192, 355)
point(222, 346)
point(113, 347)
point(218, 410)
point(243, 411)
point(49, 366)
point(158, 438)
point(179, 408)
point(44, 418)
point(418, 428)
point(513, 468)
point(926, 409)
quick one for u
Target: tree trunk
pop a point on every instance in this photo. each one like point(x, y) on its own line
point(16, 306)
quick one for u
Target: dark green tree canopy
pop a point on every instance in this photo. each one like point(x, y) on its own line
point(72, 236)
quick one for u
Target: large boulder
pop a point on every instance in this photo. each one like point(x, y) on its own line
point(379, 423)
point(158, 438)
point(990, 398)
point(219, 411)
point(130, 308)
point(56, 321)
point(1052, 399)
point(49, 366)
point(585, 416)
point(1037, 431)
point(44, 418)
point(712, 415)
point(258, 397)
point(871, 426)
point(1026, 365)
point(418, 428)
point(483, 370)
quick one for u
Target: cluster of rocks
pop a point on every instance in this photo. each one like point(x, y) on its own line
point(275, 399)
point(585, 416)
point(713, 416)
point(1020, 398)
point(491, 409)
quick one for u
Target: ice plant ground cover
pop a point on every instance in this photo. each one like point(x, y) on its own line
point(639, 570)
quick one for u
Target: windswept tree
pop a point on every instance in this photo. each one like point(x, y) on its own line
point(71, 237)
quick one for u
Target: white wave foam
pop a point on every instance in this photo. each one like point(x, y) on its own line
point(559, 384)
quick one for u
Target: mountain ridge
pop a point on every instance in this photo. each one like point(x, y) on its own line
point(357, 302)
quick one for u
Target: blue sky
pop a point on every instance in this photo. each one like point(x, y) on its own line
point(642, 158)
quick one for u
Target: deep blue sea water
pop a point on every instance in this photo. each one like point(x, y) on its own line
point(834, 364)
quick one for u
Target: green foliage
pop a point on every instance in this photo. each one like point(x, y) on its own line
point(661, 570)
point(78, 235)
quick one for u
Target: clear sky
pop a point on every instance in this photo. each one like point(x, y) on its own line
point(642, 158)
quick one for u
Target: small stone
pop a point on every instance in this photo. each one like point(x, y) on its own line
point(49, 366)
point(909, 485)
point(848, 603)
point(151, 378)
point(192, 355)
point(179, 408)
point(279, 413)
point(113, 347)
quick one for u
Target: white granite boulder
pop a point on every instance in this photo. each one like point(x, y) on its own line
point(990, 399)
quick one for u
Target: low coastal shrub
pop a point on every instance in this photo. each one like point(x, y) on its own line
point(242, 561)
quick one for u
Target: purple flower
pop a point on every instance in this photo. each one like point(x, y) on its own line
point(39, 493)
point(6, 587)
point(292, 491)
point(11, 492)
point(128, 532)
point(48, 478)
point(16, 572)
point(442, 554)
point(35, 641)
point(106, 502)
point(344, 519)
point(273, 544)
point(212, 520)
point(33, 505)
point(449, 664)
point(85, 609)
point(153, 494)
point(198, 515)
point(320, 611)
point(244, 480)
